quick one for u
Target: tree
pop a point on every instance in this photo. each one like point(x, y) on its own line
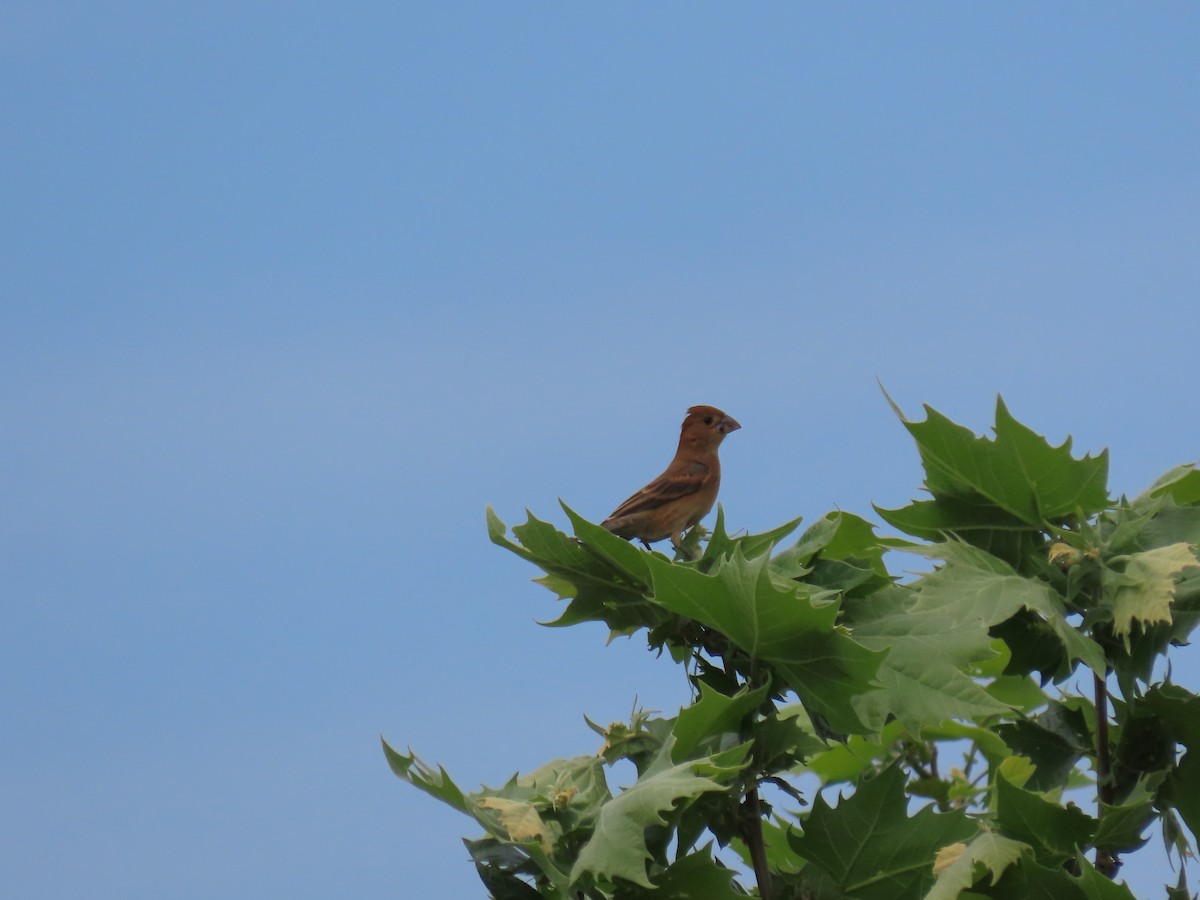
point(953, 727)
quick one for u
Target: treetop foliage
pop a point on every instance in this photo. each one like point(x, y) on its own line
point(852, 735)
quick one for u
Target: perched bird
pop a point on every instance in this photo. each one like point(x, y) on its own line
point(683, 494)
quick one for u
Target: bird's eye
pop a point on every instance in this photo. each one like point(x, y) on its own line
point(708, 420)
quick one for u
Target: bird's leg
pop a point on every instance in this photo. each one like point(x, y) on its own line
point(644, 543)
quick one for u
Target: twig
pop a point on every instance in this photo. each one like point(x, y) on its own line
point(752, 834)
point(1107, 863)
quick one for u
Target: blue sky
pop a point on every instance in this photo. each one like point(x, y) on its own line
point(292, 291)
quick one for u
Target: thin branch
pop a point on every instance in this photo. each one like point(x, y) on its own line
point(752, 834)
point(1107, 863)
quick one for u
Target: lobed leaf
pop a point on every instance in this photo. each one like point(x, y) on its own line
point(959, 866)
point(868, 846)
point(617, 847)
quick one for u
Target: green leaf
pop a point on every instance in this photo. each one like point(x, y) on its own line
point(499, 867)
point(1019, 691)
point(847, 760)
point(1178, 707)
point(1095, 886)
point(1016, 769)
point(780, 623)
point(601, 588)
point(617, 848)
point(721, 545)
point(976, 584)
point(435, 783)
point(712, 715)
point(515, 815)
point(1019, 471)
point(784, 738)
point(988, 742)
point(959, 866)
point(1122, 824)
point(1181, 483)
point(1182, 789)
point(1053, 740)
point(1034, 819)
point(922, 677)
point(869, 847)
point(987, 527)
point(1030, 880)
point(694, 875)
point(1180, 890)
point(1170, 523)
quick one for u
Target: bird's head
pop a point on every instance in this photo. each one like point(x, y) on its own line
point(706, 427)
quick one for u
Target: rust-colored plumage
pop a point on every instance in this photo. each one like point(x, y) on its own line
point(683, 494)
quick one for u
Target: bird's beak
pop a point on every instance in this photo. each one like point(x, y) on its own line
point(729, 423)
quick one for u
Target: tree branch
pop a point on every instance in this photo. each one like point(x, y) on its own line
point(752, 834)
point(1106, 863)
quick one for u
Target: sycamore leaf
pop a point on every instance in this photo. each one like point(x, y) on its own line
point(435, 783)
point(1167, 523)
point(1029, 879)
point(1016, 769)
point(1122, 824)
point(1095, 886)
point(500, 867)
point(989, 743)
point(617, 848)
point(961, 868)
point(520, 819)
point(847, 760)
point(601, 588)
point(948, 856)
point(870, 848)
point(1148, 645)
point(524, 818)
point(1053, 741)
point(1182, 789)
point(780, 623)
point(974, 583)
point(1178, 707)
point(844, 543)
point(712, 715)
point(720, 544)
point(988, 527)
point(784, 624)
point(1036, 820)
point(694, 875)
point(1144, 591)
point(1018, 472)
point(1181, 483)
point(922, 677)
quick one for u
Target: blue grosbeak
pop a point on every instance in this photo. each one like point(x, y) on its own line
point(683, 494)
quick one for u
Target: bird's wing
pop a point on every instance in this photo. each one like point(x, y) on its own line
point(672, 484)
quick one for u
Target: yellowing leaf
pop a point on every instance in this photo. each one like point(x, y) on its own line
point(1146, 588)
point(947, 856)
point(1064, 554)
point(987, 852)
point(520, 820)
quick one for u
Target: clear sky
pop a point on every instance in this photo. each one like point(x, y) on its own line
point(290, 292)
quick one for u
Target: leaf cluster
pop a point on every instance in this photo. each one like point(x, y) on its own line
point(947, 729)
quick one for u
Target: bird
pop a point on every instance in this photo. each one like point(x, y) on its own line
point(683, 494)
